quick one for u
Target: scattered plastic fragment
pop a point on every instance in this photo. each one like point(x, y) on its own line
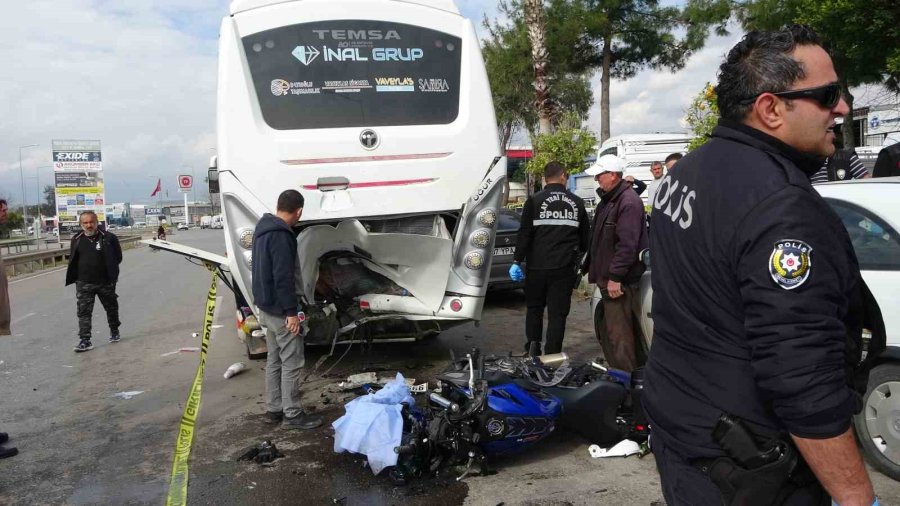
point(623, 448)
point(127, 395)
point(234, 369)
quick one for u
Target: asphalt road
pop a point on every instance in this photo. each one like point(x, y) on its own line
point(80, 444)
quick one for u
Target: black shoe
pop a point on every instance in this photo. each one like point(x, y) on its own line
point(4, 437)
point(115, 338)
point(83, 346)
point(303, 421)
point(533, 348)
point(8, 452)
point(273, 417)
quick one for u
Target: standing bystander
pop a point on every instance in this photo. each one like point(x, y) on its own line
point(94, 258)
point(4, 323)
point(275, 294)
point(619, 234)
point(671, 160)
point(844, 164)
point(656, 169)
point(4, 284)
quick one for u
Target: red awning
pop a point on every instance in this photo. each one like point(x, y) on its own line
point(519, 153)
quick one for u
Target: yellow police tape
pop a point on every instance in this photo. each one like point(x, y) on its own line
point(179, 481)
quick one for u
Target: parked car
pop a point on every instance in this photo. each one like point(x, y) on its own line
point(182, 226)
point(508, 222)
point(870, 210)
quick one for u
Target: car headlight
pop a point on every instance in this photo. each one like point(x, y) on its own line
point(481, 238)
point(474, 260)
point(487, 217)
point(245, 238)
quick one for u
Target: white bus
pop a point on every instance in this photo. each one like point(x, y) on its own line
point(379, 112)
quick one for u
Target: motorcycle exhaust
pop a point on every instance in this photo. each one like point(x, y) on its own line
point(554, 359)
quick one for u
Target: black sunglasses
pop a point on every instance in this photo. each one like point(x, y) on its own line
point(827, 96)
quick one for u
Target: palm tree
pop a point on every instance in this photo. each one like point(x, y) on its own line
point(536, 23)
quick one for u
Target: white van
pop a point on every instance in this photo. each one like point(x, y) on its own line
point(383, 119)
point(641, 150)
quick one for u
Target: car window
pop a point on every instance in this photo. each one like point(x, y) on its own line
point(609, 151)
point(509, 221)
point(875, 241)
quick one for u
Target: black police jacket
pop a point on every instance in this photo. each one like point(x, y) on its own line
point(758, 303)
point(555, 230)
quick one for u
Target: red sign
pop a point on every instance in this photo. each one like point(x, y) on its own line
point(185, 182)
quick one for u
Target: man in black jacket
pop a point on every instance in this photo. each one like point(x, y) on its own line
point(94, 258)
point(758, 302)
point(275, 294)
point(553, 236)
point(888, 162)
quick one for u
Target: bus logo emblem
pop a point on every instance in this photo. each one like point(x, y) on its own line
point(369, 139)
point(306, 54)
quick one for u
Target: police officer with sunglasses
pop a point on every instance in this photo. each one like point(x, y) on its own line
point(758, 304)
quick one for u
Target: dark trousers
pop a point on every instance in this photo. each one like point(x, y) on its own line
point(84, 294)
point(551, 288)
point(620, 346)
point(682, 483)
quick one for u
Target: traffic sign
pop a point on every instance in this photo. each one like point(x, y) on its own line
point(185, 182)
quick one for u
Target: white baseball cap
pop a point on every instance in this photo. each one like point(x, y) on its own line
point(606, 163)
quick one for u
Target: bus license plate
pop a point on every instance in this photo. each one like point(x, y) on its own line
point(504, 251)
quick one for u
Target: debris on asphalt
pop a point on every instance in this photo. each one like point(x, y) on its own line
point(235, 368)
point(127, 395)
point(366, 380)
point(623, 448)
point(263, 453)
point(419, 389)
point(188, 349)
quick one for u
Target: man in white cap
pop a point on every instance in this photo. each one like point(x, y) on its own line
point(619, 234)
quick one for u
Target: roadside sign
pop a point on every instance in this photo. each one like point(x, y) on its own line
point(185, 182)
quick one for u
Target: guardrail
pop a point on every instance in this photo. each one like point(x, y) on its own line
point(34, 261)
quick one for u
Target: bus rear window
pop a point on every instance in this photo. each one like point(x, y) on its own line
point(354, 73)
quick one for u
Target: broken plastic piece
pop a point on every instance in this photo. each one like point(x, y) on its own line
point(234, 369)
point(419, 389)
point(127, 395)
point(623, 448)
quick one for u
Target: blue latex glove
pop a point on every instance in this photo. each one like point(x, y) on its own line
point(515, 273)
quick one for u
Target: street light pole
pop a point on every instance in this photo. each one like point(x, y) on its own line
point(22, 175)
point(37, 175)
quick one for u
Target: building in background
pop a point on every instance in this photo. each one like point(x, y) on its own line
point(118, 214)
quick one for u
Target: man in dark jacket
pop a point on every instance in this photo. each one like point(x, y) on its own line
point(888, 162)
point(94, 258)
point(619, 235)
point(758, 302)
point(275, 294)
point(552, 237)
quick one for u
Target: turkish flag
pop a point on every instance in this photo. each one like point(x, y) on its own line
point(158, 188)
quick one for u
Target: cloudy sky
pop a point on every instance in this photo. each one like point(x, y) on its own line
point(140, 76)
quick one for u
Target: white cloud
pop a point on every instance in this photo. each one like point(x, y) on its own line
point(656, 100)
point(140, 76)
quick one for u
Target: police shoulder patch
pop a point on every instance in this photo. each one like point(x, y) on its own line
point(790, 263)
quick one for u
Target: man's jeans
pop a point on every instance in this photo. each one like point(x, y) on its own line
point(283, 365)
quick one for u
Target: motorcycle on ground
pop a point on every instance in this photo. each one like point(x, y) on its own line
point(487, 407)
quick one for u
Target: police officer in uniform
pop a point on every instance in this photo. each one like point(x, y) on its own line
point(553, 236)
point(758, 303)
